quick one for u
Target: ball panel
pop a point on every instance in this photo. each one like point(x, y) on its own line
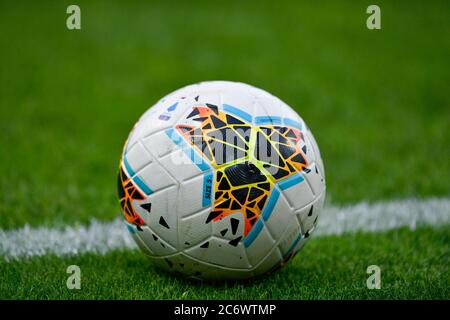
point(280, 218)
point(268, 263)
point(197, 269)
point(242, 105)
point(180, 166)
point(308, 216)
point(138, 157)
point(260, 246)
point(156, 244)
point(193, 230)
point(220, 252)
point(265, 105)
point(229, 228)
point(160, 218)
point(290, 237)
point(159, 118)
point(315, 179)
point(140, 242)
point(299, 194)
point(191, 196)
point(156, 177)
point(206, 96)
point(158, 144)
point(318, 157)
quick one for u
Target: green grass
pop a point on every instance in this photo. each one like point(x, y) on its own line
point(377, 101)
point(414, 265)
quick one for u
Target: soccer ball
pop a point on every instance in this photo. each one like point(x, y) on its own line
point(221, 180)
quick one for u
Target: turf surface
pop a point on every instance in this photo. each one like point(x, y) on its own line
point(376, 101)
point(414, 265)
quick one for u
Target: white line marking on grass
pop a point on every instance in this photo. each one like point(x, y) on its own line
point(97, 237)
point(382, 216)
point(102, 237)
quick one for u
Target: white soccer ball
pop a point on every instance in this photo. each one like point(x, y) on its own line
point(221, 180)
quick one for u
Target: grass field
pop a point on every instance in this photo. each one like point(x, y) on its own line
point(376, 101)
point(410, 262)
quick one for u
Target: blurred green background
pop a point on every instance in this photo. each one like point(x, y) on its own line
point(377, 101)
